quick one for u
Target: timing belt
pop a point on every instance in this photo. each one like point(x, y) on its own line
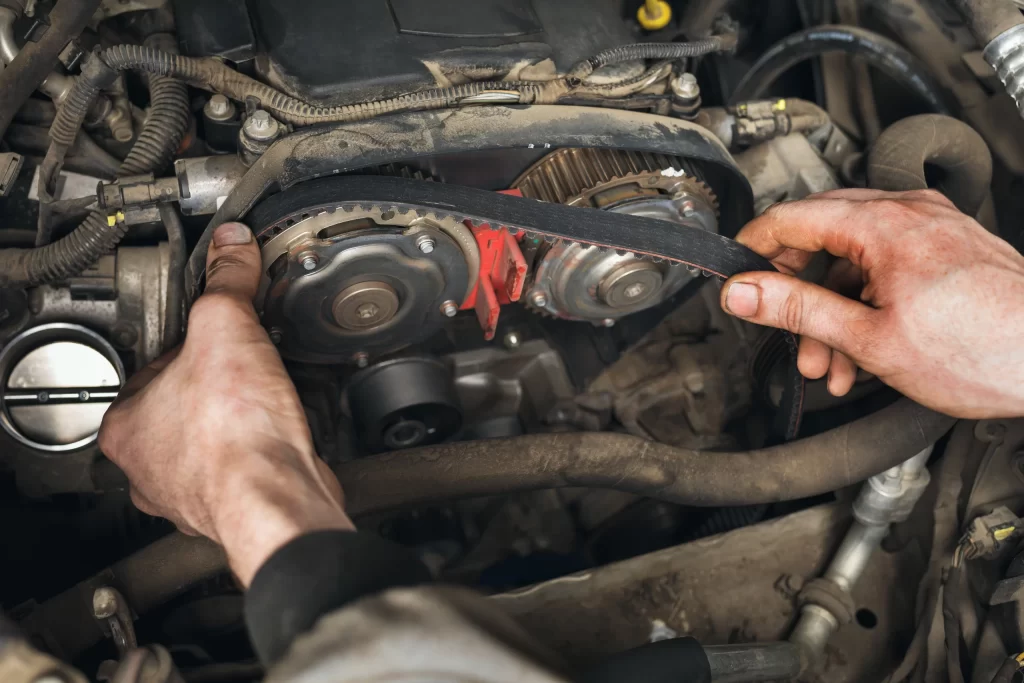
point(646, 238)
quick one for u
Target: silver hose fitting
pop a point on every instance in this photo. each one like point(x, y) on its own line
point(885, 499)
point(1005, 54)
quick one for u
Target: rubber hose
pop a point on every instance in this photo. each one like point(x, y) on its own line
point(798, 469)
point(988, 19)
point(159, 139)
point(37, 59)
point(166, 123)
point(877, 50)
point(174, 314)
point(898, 159)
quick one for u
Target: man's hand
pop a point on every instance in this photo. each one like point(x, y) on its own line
point(942, 318)
point(213, 437)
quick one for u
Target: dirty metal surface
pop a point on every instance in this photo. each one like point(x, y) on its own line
point(732, 588)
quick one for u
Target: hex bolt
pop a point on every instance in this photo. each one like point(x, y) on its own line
point(425, 243)
point(450, 308)
point(685, 87)
point(361, 359)
point(261, 126)
point(539, 299)
point(310, 262)
point(276, 336)
point(219, 108)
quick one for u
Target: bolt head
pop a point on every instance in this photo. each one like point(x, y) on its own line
point(450, 308)
point(261, 126)
point(276, 336)
point(608, 322)
point(512, 341)
point(685, 87)
point(635, 290)
point(310, 262)
point(219, 107)
point(539, 299)
point(367, 311)
point(362, 359)
point(426, 244)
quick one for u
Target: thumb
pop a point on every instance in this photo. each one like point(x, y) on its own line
point(803, 308)
point(233, 262)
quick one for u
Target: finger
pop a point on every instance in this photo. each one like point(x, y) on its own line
point(810, 225)
point(813, 358)
point(842, 374)
point(867, 195)
point(233, 262)
point(803, 308)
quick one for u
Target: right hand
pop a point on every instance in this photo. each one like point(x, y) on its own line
point(941, 310)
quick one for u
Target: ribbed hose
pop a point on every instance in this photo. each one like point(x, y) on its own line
point(156, 145)
point(210, 74)
point(166, 124)
point(673, 51)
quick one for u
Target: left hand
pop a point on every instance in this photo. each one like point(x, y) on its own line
point(213, 436)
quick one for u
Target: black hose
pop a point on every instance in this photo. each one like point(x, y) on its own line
point(1006, 671)
point(899, 157)
point(175, 310)
point(97, 235)
point(799, 469)
point(987, 19)
point(877, 50)
point(36, 60)
point(167, 122)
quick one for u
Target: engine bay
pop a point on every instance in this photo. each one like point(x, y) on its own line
point(492, 236)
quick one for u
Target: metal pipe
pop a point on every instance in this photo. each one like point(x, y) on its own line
point(884, 499)
point(56, 85)
point(754, 662)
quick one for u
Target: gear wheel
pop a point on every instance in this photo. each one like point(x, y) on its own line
point(574, 282)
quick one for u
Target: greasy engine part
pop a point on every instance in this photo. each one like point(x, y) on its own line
point(352, 283)
point(645, 238)
point(56, 382)
point(578, 283)
point(309, 154)
point(907, 154)
point(404, 403)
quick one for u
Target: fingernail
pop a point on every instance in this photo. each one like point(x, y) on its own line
point(230, 234)
point(742, 299)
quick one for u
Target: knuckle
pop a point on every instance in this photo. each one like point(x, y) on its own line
point(929, 195)
point(791, 312)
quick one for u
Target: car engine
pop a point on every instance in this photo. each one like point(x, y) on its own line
point(493, 235)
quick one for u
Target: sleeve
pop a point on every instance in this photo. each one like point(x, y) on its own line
point(316, 574)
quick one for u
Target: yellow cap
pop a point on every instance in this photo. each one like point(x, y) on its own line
point(654, 14)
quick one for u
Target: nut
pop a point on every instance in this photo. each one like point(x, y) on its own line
point(450, 308)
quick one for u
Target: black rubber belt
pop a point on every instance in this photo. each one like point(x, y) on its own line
point(645, 237)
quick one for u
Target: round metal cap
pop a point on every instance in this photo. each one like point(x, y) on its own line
point(58, 381)
point(630, 284)
point(365, 305)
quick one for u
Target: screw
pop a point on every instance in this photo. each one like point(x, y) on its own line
point(425, 243)
point(608, 322)
point(512, 341)
point(367, 311)
point(362, 359)
point(310, 261)
point(685, 87)
point(687, 208)
point(539, 299)
point(276, 335)
point(634, 290)
point(450, 308)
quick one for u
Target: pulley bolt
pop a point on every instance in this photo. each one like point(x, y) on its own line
point(538, 299)
point(276, 335)
point(450, 308)
point(310, 261)
point(362, 359)
point(425, 243)
point(635, 290)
